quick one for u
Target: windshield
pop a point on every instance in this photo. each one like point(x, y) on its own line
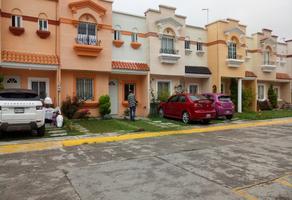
point(224, 98)
point(197, 97)
point(18, 96)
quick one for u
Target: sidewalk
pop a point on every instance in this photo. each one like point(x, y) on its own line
point(53, 143)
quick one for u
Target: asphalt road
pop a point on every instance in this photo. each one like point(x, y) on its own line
point(252, 163)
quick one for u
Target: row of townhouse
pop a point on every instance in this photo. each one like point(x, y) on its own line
point(82, 48)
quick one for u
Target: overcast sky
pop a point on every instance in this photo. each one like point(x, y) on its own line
point(256, 14)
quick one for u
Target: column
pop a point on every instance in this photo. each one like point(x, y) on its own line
point(239, 105)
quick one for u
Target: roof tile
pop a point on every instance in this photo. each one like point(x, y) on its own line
point(250, 74)
point(283, 76)
point(130, 66)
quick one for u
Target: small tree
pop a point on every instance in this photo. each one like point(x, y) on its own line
point(272, 96)
point(104, 105)
point(247, 96)
point(1, 82)
point(234, 91)
point(70, 106)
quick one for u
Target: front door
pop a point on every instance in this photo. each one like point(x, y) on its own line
point(113, 93)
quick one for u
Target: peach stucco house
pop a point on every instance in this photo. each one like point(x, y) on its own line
point(82, 48)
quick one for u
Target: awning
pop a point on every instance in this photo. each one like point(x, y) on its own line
point(283, 76)
point(197, 70)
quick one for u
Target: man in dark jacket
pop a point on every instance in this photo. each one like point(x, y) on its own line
point(132, 105)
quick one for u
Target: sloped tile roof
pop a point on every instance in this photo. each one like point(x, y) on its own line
point(250, 74)
point(32, 58)
point(283, 76)
point(130, 66)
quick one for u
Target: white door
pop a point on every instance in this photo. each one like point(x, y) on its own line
point(113, 93)
point(11, 82)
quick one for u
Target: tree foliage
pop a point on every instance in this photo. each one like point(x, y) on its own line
point(272, 96)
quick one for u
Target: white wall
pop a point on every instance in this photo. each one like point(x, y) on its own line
point(128, 23)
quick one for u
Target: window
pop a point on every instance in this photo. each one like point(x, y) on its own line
point(187, 44)
point(193, 89)
point(267, 57)
point(117, 35)
point(85, 89)
point(134, 37)
point(86, 33)
point(129, 87)
point(232, 50)
point(43, 24)
point(167, 45)
point(16, 21)
point(173, 99)
point(199, 46)
point(222, 88)
point(182, 99)
point(163, 88)
point(40, 87)
point(261, 92)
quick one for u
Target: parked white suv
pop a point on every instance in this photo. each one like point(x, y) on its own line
point(21, 110)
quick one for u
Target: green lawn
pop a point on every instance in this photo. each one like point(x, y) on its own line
point(117, 125)
point(273, 114)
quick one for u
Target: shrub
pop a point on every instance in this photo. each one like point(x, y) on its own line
point(70, 106)
point(104, 105)
point(264, 105)
point(163, 96)
point(272, 96)
point(1, 82)
point(247, 96)
point(82, 114)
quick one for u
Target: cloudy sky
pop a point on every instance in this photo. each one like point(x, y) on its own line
point(256, 14)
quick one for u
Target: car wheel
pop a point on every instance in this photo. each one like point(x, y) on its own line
point(161, 112)
point(186, 117)
point(41, 131)
point(206, 121)
point(229, 117)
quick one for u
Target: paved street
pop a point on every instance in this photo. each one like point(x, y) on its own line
point(251, 163)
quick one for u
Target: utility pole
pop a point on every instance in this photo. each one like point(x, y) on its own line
point(207, 10)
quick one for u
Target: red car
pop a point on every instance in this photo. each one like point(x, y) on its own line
point(188, 108)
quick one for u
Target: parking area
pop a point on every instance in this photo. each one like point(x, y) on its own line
point(251, 163)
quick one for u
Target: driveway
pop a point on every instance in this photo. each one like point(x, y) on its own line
point(250, 163)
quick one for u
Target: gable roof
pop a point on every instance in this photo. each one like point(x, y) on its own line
point(169, 20)
point(74, 6)
point(235, 30)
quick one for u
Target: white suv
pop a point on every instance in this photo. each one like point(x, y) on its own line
point(21, 110)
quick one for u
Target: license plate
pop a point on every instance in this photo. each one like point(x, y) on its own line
point(208, 115)
point(18, 110)
point(227, 112)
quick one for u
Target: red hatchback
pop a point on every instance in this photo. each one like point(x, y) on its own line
point(188, 108)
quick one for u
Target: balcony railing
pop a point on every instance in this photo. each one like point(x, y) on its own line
point(169, 56)
point(269, 66)
point(86, 39)
point(169, 51)
point(87, 45)
point(234, 60)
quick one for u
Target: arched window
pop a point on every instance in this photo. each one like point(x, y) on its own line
point(167, 42)
point(117, 32)
point(135, 35)
point(16, 18)
point(43, 22)
point(187, 43)
point(232, 49)
point(267, 55)
point(87, 30)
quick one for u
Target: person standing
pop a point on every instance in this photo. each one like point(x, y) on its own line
point(132, 105)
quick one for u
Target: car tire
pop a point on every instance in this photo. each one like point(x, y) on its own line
point(229, 117)
point(41, 131)
point(186, 118)
point(161, 112)
point(206, 121)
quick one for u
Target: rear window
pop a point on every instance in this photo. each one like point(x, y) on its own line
point(224, 98)
point(197, 97)
point(18, 96)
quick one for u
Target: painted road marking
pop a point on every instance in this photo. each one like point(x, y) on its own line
point(39, 146)
point(245, 195)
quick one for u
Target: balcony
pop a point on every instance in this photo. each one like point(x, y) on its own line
point(17, 31)
point(234, 61)
point(43, 34)
point(169, 56)
point(87, 45)
point(200, 52)
point(269, 67)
